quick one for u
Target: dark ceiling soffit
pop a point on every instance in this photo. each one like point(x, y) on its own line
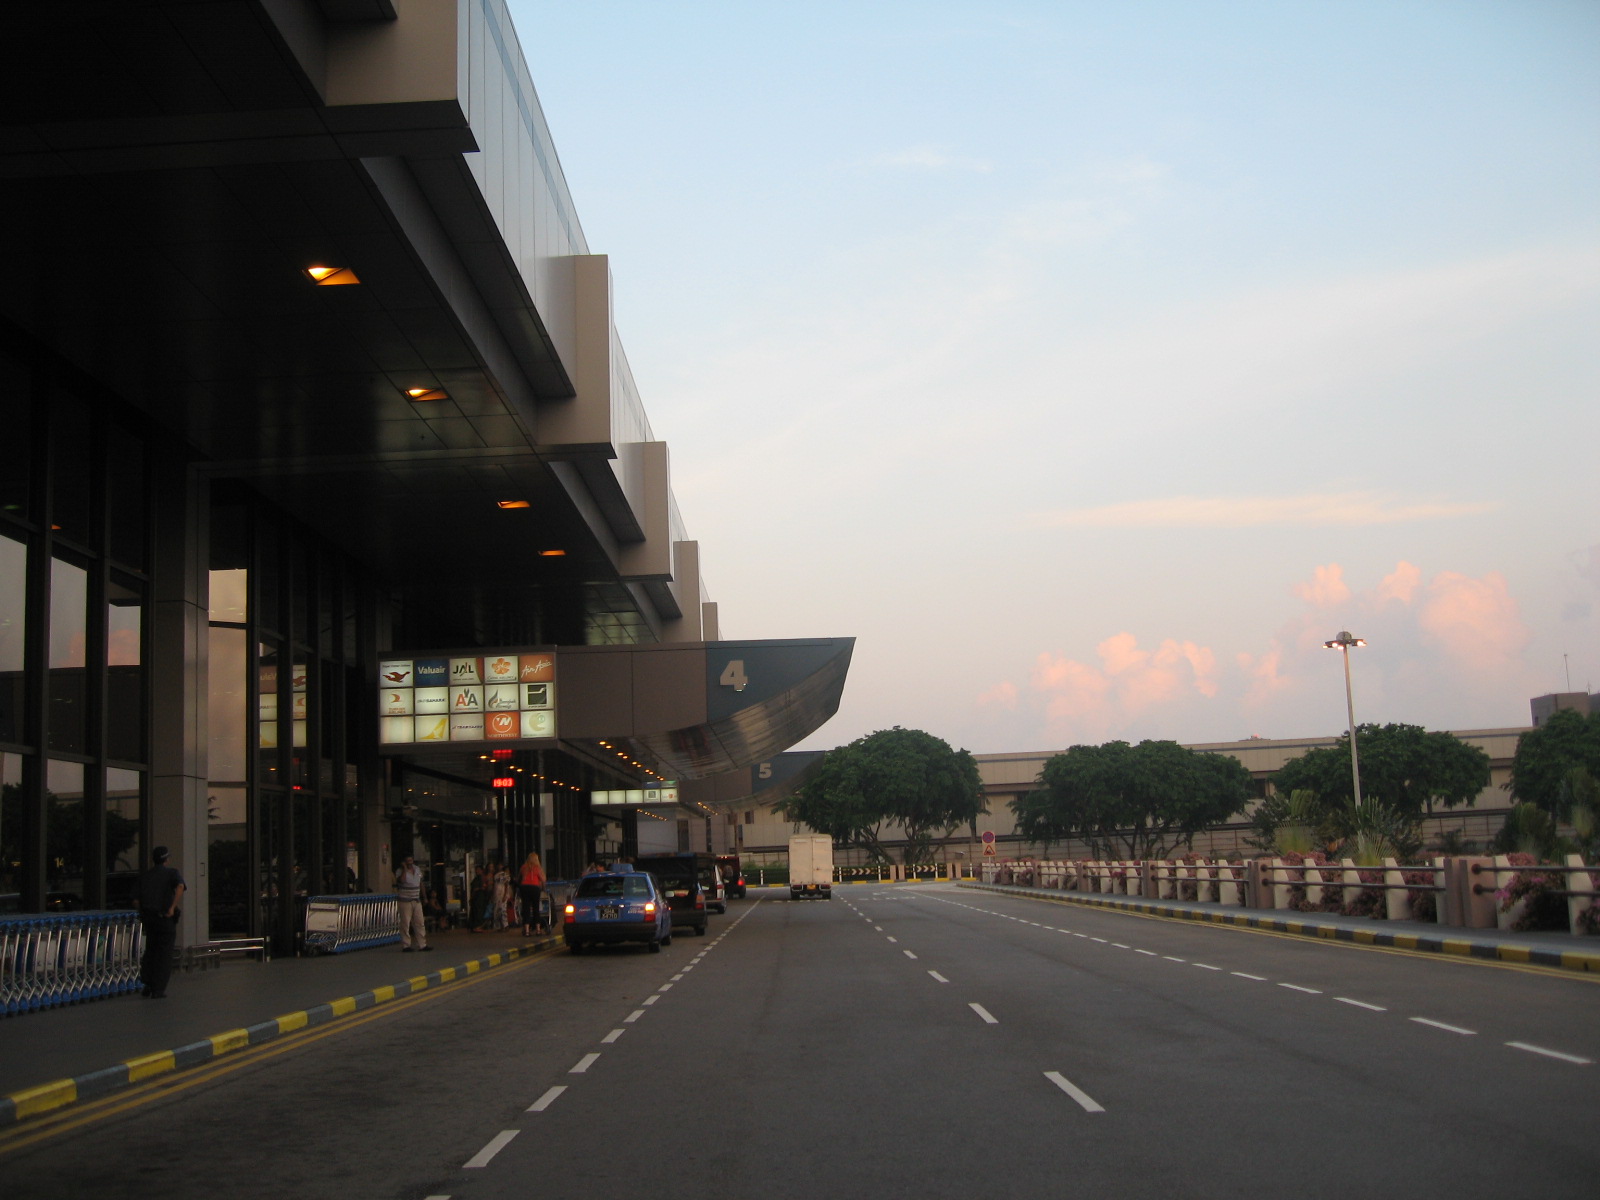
point(664, 598)
point(758, 732)
point(745, 788)
point(181, 142)
point(339, 12)
point(600, 478)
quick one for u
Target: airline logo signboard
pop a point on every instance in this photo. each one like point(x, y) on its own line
point(454, 700)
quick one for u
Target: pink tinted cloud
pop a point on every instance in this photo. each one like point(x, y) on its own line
point(1083, 699)
point(1001, 695)
point(1475, 621)
point(1400, 585)
point(1325, 589)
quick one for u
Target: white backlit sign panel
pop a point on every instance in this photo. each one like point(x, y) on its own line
point(447, 699)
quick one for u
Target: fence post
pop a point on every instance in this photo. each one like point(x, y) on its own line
point(1578, 881)
point(1504, 873)
point(1313, 884)
point(1397, 904)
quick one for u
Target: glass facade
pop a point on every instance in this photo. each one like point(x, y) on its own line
point(75, 514)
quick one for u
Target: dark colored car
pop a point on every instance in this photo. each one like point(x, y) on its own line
point(679, 878)
point(732, 876)
point(617, 907)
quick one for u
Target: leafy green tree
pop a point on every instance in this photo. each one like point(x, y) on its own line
point(1405, 767)
point(1133, 801)
point(894, 777)
point(1546, 755)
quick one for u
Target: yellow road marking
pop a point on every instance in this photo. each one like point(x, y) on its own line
point(163, 1082)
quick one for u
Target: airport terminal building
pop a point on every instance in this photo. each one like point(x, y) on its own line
point(332, 525)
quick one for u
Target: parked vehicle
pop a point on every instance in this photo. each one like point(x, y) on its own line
point(617, 907)
point(679, 877)
point(810, 866)
point(713, 885)
point(732, 876)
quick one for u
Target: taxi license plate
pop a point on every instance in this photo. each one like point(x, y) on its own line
point(609, 912)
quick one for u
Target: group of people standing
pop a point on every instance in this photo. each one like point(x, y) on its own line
point(497, 899)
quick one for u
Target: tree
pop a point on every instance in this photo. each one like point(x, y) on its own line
point(1404, 767)
point(895, 776)
point(1144, 799)
point(1545, 756)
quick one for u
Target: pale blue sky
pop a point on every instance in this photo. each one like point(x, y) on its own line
point(1092, 363)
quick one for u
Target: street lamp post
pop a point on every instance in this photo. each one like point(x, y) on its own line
point(1344, 641)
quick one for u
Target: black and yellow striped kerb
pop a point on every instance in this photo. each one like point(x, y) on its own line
point(48, 1097)
point(1485, 946)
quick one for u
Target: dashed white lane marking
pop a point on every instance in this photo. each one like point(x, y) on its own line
point(496, 1144)
point(677, 977)
point(633, 1016)
point(1571, 1058)
point(1247, 975)
point(1443, 1026)
point(1295, 987)
point(651, 999)
point(879, 928)
point(894, 939)
point(1207, 967)
point(1077, 1093)
point(1151, 953)
point(908, 954)
point(612, 1036)
point(983, 1012)
point(1102, 941)
point(546, 1100)
point(584, 1063)
point(1361, 1004)
point(665, 987)
point(1169, 958)
point(938, 977)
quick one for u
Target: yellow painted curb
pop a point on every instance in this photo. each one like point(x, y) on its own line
point(30, 1102)
point(225, 1043)
point(147, 1065)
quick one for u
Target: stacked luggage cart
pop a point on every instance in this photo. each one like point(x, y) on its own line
point(67, 958)
point(335, 924)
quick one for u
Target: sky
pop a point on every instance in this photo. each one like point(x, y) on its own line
point(1092, 364)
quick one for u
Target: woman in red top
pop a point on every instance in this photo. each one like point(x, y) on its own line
point(530, 886)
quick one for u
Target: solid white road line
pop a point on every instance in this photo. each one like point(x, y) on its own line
point(1244, 975)
point(612, 1036)
point(938, 976)
point(546, 1100)
point(584, 1063)
point(1295, 987)
point(1443, 1026)
point(983, 1012)
point(496, 1144)
point(1571, 1058)
point(1361, 1004)
point(1078, 1094)
point(908, 954)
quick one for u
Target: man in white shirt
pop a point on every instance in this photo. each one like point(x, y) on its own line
point(410, 887)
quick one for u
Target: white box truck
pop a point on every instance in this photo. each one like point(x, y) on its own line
point(811, 866)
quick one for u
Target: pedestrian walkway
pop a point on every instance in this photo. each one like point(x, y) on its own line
point(1550, 949)
point(58, 1056)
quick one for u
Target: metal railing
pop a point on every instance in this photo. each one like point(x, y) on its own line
point(336, 924)
point(67, 958)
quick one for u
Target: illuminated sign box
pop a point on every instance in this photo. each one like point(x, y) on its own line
point(454, 700)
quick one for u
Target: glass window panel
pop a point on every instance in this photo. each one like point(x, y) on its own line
point(63, 836)
point(11, 824)
point(124, 835)
point(16, 447)
point(230, 594)
point(228, 706)
point(266, 597)
point(229, 865)
point(128, 507)
point(72, 428)
point(69, 596)
point(125, 673)
point(13, 635)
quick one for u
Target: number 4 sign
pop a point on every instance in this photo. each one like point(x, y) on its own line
point(733, 675)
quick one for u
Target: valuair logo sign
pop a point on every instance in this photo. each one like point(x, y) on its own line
point(457, 700)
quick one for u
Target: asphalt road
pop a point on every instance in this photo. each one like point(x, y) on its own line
point(920, 1041)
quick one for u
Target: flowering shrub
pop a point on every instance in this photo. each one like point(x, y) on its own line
point(1537, 891)
point(1369, 901)
point(1420, 895)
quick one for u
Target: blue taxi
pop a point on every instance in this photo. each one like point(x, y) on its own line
point(615, 907)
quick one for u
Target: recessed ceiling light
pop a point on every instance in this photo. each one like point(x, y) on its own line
point(331, 276)
point(513, 504)
point(552, 554)
point(420, 394)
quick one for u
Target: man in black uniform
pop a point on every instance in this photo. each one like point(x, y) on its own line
point(160, 889)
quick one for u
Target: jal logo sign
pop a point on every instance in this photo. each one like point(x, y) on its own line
point(466, 670)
